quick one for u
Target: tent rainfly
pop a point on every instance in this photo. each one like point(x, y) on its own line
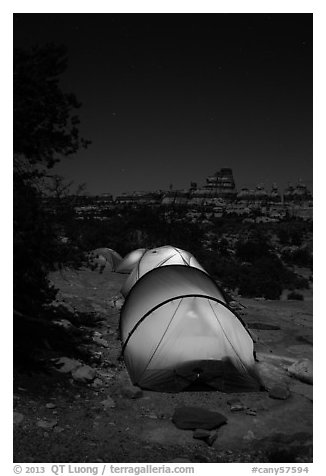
point(130, 261)
point(156, 257)
point(179, 334)
point(105, 257)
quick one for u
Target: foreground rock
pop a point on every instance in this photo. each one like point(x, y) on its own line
point(130, 391)
point(18, 418)
point(66, 365)
point(50, 405)
point(207, 436)
point(84, 374)
point(47, 425)
point(236, 405)
point(200, 434)
point(108, 403)
point(193, 418)
point(302, 370)
point(279, 391)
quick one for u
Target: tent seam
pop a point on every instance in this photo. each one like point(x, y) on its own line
point(161, 339)
point(163, 261)
point(236, 353)
point(185, 262)
point(163, 304)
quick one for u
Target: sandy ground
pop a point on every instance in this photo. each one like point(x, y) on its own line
point(79, 427)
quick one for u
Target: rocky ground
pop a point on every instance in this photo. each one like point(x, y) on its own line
point(89, 412)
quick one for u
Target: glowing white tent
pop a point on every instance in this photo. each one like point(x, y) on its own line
point(130, 261)
point(156, 257)
point(178, 333)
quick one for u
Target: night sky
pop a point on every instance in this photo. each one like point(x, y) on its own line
point(172, 98)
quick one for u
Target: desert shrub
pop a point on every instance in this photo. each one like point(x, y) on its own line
point(225, 270)
point(260, 280)
point(265, 277)
point(299, 257)
point(296, 296)
point(250, 251)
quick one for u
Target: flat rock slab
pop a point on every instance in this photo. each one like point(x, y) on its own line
point(306, 338)
point(66, 365)
point(262, 326)
point(192, 418)
point(302, 389)
point(279, 392)
point(302, 370)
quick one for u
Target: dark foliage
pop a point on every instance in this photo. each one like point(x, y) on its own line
point(45, 130)
point(34, 248)
point(296, 296)
point(299, 257)
point(255, 270)
point(129, 229)
point(45, 127)
point(251, 266)
point(292, 232)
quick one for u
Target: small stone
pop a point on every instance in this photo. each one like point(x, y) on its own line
point(108, 403)
point(212, 438)
point(47, 424)
point(84, 374)
point(279, 391)
point(249, 436)
point(131, 391)
point(251, 412)
point(96, 357)
point(200, 434)
point(50, 405)
point(235, 405)
point(18, 418)
point(106, 374)
point(65, 324)
point(58, 429)
point(152, 416)
point(102, 342)
point(97, 383)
